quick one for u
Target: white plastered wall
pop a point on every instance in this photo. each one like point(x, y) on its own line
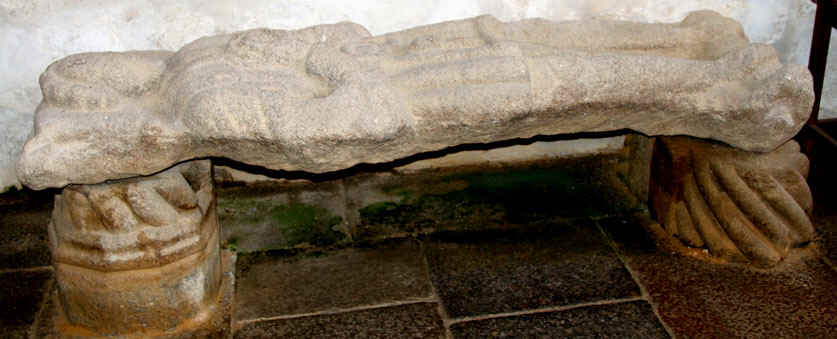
point(34, 33)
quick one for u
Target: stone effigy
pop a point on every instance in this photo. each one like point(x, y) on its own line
point(328, 97)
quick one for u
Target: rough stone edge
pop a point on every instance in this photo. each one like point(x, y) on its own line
point(50, 319)
point(637, 176)
point(667, 243)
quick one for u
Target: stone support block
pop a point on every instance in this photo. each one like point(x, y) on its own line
point(736, 205)
point(139, 256)
point(638, 149)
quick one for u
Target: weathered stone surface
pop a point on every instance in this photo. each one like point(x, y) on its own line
point(138, 255)
point(501, 272)
point(623, 320)
point(639, 150)
point(741, 206)
point(270, 286)
point(415, 320)
point(701, 299)
point(135, 223)
point(215, 322)
point(331, 96)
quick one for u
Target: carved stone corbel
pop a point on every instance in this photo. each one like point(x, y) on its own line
point(740, 206)
point(139, 255)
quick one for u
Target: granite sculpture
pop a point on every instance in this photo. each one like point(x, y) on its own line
point(328, 97)
point(138, 255)
point(135, 226)
point(740, 206)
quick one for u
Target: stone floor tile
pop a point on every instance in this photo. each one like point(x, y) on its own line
point(272, 286)
point(21, 296)
point(700, 299)
point(419, 320)
point(623, 320)
point(510, 271)
point(23, 229)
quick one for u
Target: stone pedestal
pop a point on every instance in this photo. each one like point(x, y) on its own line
point(735, 205)
point(138, 256)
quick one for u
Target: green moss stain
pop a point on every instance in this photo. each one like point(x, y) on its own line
point(379, 208)
point(403, 193)
point(242, 210)
point(302, 223)
point(496, 199)
point(262, 224)
point(488, 198)
point(231, 244)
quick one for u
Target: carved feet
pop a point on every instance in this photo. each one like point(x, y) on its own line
point(740, 206)
point(138, 255)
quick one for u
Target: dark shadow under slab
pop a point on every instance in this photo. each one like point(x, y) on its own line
point(555, 265)
point(21, 296)
point(621, 320)
point(701, 299)
point(420, 320)
point(24, 217)
point(827, 228)
point(270, 286)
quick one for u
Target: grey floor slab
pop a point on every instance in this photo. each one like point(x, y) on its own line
point(271, 286)
point(554, 265)
point(420, 320)
point(622, 320)
point(698, 299)
point(21, 296)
